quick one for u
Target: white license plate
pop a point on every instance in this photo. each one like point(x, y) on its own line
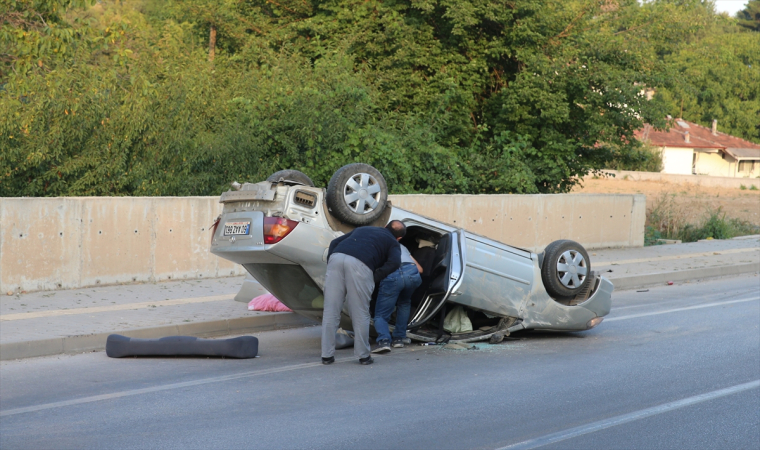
point(236, 228)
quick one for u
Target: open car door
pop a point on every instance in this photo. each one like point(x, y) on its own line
point(446, 276)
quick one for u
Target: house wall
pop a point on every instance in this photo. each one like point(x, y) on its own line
point(677, 160)
point(714, 164)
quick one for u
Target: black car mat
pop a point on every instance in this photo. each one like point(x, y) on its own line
point(118, 346)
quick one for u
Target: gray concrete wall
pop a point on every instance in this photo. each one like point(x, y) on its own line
point(52, 243)
point(700, 180)
point(533, 221)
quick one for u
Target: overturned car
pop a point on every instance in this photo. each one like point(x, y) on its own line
point(280, 230)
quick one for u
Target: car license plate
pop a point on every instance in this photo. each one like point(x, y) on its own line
point(236, 228)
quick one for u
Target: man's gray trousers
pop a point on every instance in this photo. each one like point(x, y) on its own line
point(347, 280)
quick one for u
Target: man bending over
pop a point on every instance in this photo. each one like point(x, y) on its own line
point(357, 261)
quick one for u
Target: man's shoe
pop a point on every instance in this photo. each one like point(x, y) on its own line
point(329, 360)
point(406, 341)
point(383, 346)
point(366, 361)
point(398, 343)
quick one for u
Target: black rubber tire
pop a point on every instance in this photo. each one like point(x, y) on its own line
point(337, 202)
point(290, 177)
point(550, 274)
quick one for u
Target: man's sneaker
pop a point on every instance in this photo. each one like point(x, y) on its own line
point(383, 346)
point(329, 360)
point(366, 361)
point(398, 343)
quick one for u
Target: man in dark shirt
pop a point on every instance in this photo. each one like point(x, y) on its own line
point(357, 261)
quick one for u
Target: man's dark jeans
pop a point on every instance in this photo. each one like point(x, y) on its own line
point(396, 291)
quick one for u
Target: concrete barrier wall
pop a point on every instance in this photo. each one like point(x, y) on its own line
point(533, 221)
point(53, 243)
point(700, 180)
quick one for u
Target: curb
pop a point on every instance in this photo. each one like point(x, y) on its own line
point(657, 279)
point(92, 342)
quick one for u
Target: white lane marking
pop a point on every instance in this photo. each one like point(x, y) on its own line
point(168, 387)
point(672, 257)
point(124, 307)
point(661, 301)
point(630, 417)
point(686, 308)
point(165, 387)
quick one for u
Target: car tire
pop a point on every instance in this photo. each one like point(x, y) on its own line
point(290, 177)
point(357, 194)
point(566, 269)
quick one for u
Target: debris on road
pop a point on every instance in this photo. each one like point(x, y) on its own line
point(343, 339)
point(496, 338)
point(460, 347)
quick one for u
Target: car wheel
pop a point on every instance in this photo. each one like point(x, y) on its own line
point(290, 177)
point(565, 270)
point(357, 194)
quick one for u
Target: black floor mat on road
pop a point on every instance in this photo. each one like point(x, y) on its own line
point(118, 346)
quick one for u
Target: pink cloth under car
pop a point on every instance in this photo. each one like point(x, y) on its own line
point(267, 302)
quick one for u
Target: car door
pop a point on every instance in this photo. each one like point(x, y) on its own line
point(498, 277)
point(447, 276)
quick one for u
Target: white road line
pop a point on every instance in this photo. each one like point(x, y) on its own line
point(168, 387)
point(123, 307)
point(165, 387)
point(686, 308)
point(630, 417)
point(661, 301)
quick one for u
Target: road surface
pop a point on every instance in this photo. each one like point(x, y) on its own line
point(674, 367)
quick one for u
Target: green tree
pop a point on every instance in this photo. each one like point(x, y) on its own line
point(749, 17)
point(443, 96)
point(717, 77)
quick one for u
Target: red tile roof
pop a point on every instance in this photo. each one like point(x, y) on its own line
point(699, 137)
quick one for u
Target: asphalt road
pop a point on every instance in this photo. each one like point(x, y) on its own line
point(675, 367)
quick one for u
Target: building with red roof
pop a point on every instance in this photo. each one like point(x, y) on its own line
point(689, 148)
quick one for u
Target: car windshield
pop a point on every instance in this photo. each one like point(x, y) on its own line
point(290, 284)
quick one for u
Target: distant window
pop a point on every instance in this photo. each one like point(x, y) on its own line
point(746, 166)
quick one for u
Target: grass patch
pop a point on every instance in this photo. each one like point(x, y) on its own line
point(667, 220)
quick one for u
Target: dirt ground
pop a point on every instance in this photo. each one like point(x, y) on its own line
point(692, 201)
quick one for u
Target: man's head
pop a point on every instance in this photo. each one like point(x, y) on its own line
point(397, 228)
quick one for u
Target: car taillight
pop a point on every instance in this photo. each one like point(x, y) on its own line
point(276, 228)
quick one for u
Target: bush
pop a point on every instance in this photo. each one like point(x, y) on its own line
point(643, 159)
point(651, 236)
point(665, 220)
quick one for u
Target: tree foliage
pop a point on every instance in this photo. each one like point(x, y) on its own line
point(170, 97)
point(749, 17)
